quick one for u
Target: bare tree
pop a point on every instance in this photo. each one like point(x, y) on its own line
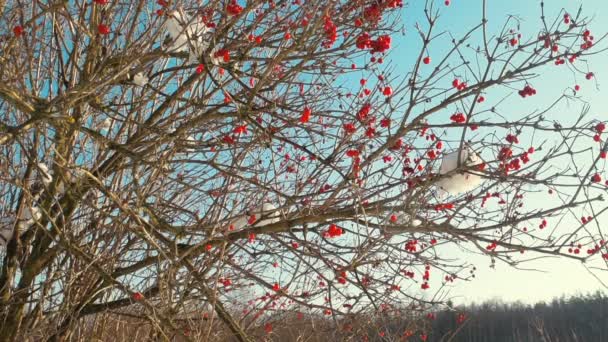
point(206, 168)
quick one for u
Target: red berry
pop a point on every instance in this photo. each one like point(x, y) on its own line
point(103, 29)
point(426, 60)
point(388, 91)
point(18, 30)
point(596, 178)
point(305, 115)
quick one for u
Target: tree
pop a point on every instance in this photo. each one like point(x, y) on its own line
point(184, 163)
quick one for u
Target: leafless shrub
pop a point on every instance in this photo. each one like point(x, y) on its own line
point(164, 160)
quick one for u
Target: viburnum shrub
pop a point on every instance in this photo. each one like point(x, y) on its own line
point(208, 169)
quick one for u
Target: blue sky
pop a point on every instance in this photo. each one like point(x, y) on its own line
point(559, 276)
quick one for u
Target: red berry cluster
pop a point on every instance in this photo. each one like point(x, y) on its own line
point(331, 32)
point(512, 139)
point(527, 91)
point(458, 118)
point(373, 13)
point(380, 45)
point(459, 85)
point(224, 54)
point(333, 231)
point(505, 153)
point(364, 112)
point(588, 40)
point(410, 246)
point(233, 8)
point(349, 128)
point(599, 129)
point(444, 206)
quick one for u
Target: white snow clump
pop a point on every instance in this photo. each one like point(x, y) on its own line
point(459, 181)
point(140, 79)
point(267, 211)
point(186, 34)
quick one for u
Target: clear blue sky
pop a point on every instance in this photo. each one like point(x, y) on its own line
point(561, 277)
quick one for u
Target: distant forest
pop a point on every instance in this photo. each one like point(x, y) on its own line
point(582, 318)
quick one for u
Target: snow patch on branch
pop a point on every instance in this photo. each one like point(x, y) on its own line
point(140, 79)
point(396, 225)
point(6, 229)
point(263, 215)
point(28, 217)
point(44, 174)
point(456, 181)
point(186, 34)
